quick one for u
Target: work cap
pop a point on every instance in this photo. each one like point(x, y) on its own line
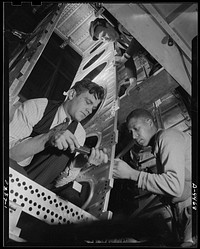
point(93, 25)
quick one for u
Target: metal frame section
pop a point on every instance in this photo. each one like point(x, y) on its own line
point(28, 55)
point(180, 42)
point(68, 41)
point(74, 25)
point(46, 205)
point(153, 35)
point(68, 11)
point(42, 203)
point(104, 124)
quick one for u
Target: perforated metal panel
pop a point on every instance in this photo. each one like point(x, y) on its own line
point(42, 203)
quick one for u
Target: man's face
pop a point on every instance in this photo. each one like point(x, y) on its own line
point(106, 33)
point(82, 105)
point(141, 129)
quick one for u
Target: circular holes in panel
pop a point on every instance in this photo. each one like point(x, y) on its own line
point(32, 204)
point(95, 58)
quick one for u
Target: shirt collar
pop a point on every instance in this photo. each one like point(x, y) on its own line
point(62, 115)
point(153, 140)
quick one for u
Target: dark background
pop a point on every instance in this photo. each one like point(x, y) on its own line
point(56, 67)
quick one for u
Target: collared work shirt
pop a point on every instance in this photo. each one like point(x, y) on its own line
point(173, 153)
point(27, 115)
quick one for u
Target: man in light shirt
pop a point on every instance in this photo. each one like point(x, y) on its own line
point(172, 180)
point(44, 134)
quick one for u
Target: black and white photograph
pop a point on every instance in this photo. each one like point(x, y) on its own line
point(100, 124)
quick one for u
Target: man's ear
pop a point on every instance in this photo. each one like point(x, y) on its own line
point(149, 121)
point(71, 94)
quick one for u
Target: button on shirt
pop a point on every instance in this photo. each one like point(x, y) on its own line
point(28, 115)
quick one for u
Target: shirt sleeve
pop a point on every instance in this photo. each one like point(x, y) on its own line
point(26, 116)
point(134, 47)
point(131, 68)
point(171, 153)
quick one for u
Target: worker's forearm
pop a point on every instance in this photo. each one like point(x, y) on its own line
point(29, 147)
point(134, 175)
point(134, 47)
point(131, 68)
point(34, 145)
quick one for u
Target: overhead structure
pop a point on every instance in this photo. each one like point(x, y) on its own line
point(73, 26)
point(166, 37)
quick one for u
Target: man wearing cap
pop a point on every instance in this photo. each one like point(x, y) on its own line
point(125, 45)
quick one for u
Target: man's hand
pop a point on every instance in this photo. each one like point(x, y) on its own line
point(98, 156)
point(119, 60)
point(62, 138)
point(121, 169)
point(133, 83)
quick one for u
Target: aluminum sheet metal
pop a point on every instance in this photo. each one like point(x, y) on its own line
point(103, 125)
point(43, 204)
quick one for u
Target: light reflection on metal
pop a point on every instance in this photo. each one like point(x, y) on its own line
point(43, 203)
point(46, 205)
point(105, 123)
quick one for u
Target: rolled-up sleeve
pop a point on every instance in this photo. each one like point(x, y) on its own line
point(25, 117)
point(171, 153)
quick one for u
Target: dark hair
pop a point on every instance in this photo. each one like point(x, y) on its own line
point(88, 85)
point(94, 24)
point(139, 113)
